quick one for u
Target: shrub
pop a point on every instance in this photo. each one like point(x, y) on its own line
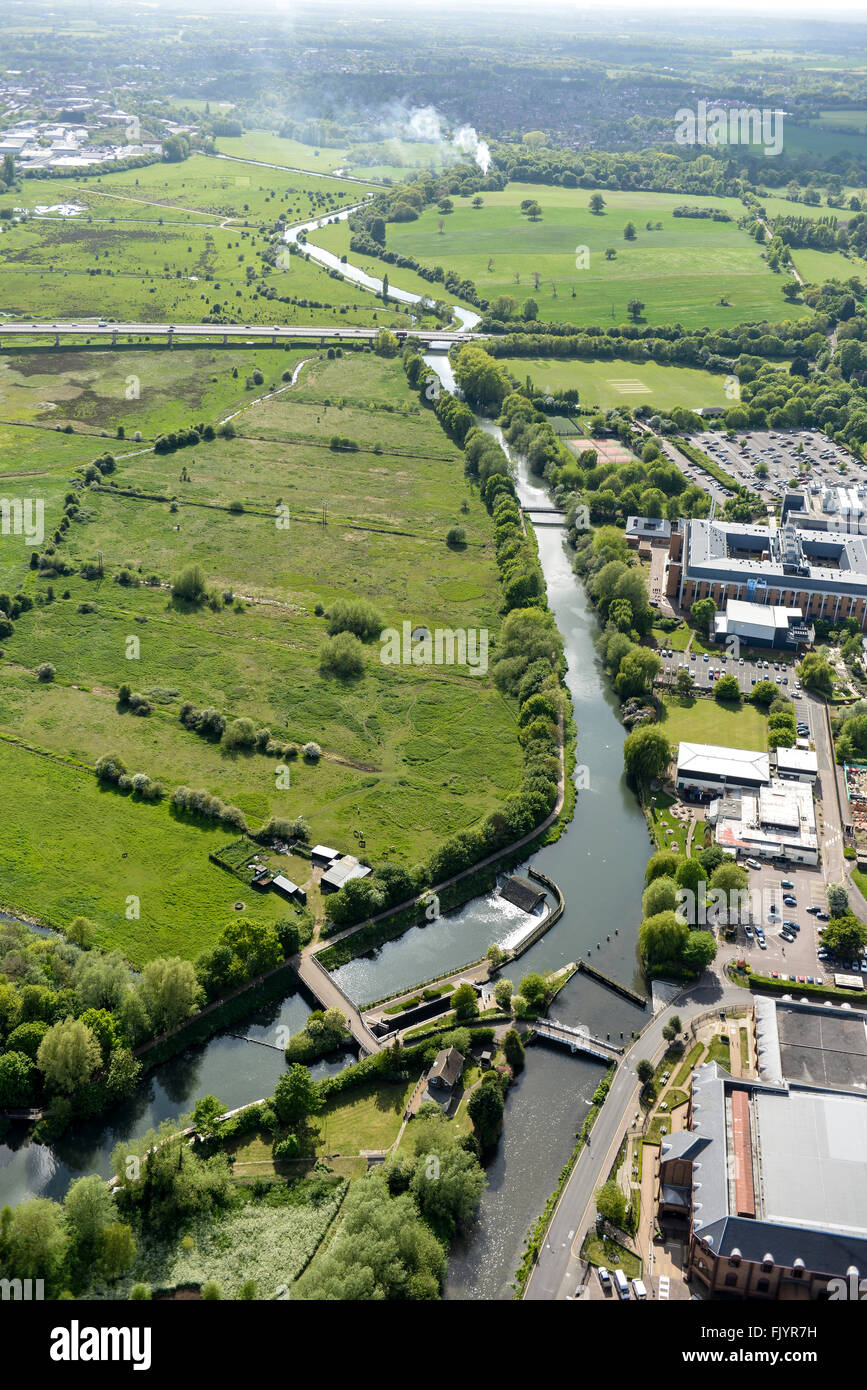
point(312, 752)
point(241, 733)
point(342, 655)
point(456, 536)
point(356, 616)
point(45, 671)
point(189, 585)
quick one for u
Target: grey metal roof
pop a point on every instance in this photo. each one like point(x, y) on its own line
point(794, 556)
point(810, 1172)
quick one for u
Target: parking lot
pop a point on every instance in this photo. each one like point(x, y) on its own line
point(706, 670)
point(778, 451)
point(796, 957)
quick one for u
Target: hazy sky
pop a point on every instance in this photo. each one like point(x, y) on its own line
point(830, 9)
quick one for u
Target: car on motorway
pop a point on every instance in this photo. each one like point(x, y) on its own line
point(102, 324)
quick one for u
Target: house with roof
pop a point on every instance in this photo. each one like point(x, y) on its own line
point(446, 1070)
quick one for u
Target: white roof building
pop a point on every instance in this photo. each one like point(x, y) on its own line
point(708, 766)
point(776, 822)
point(796, 764)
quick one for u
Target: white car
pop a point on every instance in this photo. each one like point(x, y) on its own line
point(638, 1288)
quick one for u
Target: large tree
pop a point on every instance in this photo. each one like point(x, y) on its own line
point(817, 674)
point(68, 1055)
point(646, 753)
point(704, 611)
point(296, 1097)
point(169, 990)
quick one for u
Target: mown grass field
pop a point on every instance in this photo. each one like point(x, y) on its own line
point(694, 719)
point(410, 755)
point(619, 382)
point(388, 159)
point(681, 272)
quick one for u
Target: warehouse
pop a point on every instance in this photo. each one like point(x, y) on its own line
point(771, 1181)
point(705, 767)
point(776, 822)
point(762, 625)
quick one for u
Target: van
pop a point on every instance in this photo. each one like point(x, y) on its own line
point(621, 1283)
point(638, 1288)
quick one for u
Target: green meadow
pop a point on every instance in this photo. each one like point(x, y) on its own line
point(620, 382)
point(409, 755)
point(178, 241)
point(682, 271)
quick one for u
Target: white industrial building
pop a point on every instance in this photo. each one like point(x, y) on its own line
point(776, 822)
point(706, 767)
point(762, 625)
point(795, 764)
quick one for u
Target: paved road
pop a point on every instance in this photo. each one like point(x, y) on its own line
point(276, 332)
point(556, 1273)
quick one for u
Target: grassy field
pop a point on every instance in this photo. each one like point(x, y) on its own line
point(386, 160)
point(410, 755)
point(146, 390)
point(698, 720)
point(180, 241)
point(336, 237)
point(818, 266)
point(681, 271)
point(367, 1117)
point(616, 383)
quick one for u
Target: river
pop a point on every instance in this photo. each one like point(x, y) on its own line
point(598, 863)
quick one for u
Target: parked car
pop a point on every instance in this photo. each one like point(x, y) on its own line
point(824, 916)
point(786, 883)
point(790, 900)
point(604, 1278)
point(814, 910)
point(638, 1288)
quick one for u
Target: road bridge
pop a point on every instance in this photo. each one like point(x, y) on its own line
point(264, 334)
